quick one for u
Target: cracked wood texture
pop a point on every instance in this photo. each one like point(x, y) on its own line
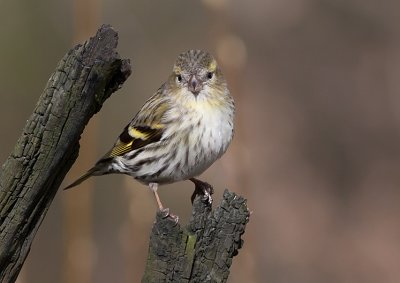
point(86, 76)
point(202, 251)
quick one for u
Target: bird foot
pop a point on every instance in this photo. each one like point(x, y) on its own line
point(204, 189)
point(165, 213)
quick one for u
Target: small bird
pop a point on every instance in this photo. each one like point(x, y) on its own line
point(179, 132)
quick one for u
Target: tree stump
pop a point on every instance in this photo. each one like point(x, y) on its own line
point(86, 76)
point(202, 251)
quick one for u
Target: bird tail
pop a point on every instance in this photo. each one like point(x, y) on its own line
point(92, 172)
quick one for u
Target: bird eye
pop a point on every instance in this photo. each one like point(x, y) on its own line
point(209, 75)
point(179, 78)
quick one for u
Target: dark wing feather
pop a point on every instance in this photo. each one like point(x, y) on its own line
point(134, 137)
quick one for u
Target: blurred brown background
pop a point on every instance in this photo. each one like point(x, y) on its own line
point(317, 145)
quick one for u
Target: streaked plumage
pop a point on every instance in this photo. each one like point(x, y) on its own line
point(180, 131)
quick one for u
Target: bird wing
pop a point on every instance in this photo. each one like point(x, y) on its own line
point(146, 128)
point(134, 137)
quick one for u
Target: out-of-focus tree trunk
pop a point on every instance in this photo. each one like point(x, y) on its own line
point(78, 204)
point(86, 76)
point(231, 51)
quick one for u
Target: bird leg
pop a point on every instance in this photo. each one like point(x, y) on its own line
point(165, 211)
point(202, 188)
point(154, 187)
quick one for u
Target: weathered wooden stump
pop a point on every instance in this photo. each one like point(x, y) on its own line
point(202, 251)
point(86, 76)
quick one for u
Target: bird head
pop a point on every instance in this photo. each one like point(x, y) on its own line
point(197, 72)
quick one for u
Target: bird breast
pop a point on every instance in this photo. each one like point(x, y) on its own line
point(209, 128)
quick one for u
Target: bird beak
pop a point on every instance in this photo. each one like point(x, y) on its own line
point(194, 85)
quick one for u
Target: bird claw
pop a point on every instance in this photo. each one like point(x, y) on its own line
point(165, 213)
point(174, 218)
point(207, 196)
point(204, 189)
